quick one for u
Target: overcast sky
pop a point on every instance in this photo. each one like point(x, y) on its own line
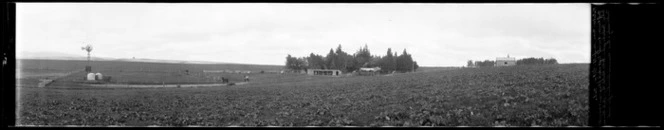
point(435, 34)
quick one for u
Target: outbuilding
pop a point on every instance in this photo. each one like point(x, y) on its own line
point(369, 71)
point(324, 72)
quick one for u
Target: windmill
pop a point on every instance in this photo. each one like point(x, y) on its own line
point(88, 48)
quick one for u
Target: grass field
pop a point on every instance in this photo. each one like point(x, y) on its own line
point(550, 95)
point(30, 71)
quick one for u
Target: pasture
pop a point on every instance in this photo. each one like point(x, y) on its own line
point(547, 95)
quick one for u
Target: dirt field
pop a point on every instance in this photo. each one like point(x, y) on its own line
point(551, 95)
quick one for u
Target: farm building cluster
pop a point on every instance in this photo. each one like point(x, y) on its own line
point(499, 62)
point(335, 72)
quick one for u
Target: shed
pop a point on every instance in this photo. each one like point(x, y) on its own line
point(324, 72)
point(90, 76)
point(369, 71)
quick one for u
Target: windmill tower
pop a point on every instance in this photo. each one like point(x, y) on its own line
point(88, 48)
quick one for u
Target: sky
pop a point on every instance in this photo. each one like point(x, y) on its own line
point(265, 33)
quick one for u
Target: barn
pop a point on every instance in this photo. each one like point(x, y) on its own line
point(505, 61)
point(329, 72)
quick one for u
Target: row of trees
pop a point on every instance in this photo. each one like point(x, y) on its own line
point(536, 61)
point(485, 63)
point(338, 59)
point(524, 61)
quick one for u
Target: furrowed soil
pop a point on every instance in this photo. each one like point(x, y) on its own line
point(547, 95)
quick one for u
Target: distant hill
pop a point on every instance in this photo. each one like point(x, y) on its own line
point(167, 61)
point(65, 56)
point(119, 65)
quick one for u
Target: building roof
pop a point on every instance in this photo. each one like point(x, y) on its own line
point(505, 59)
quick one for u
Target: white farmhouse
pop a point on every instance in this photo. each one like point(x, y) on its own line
point(505, 61)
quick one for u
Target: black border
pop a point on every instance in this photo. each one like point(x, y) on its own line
point(615, 95)
point(8, 14)
point(620, 92)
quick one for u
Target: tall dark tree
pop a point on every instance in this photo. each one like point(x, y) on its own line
point(405, 62)
point(290, 62)
point(388, 63)
point(300, 64)
point(394, 63)
point(330, 60)
point(363, 57)
point(316, 61)
point(416, 65)
point(342, 59)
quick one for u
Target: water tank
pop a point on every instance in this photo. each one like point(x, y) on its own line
point(91, 76)
point(98, 76)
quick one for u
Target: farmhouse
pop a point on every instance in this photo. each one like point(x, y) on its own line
point(324, 72)
point(369, 71)
point(505, 61)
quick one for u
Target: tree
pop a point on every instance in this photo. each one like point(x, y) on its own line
point(300, 63)
point(388, 63)
point(551, 61)
point(470, 63)
point(362, 57)
point(342, 59)
point(290, 62)
point(485, 63)
point(316, 61)
point(405, 62)
point(395, 61)
point(330, 60)
point(296, 64)
point(345, 62)
point(536, 61)
point(415, 66)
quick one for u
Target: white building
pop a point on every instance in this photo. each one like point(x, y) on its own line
point(324, 72)
point(505, 61)
point(369, 71)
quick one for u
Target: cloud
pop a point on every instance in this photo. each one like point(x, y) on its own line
point(264, 33)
